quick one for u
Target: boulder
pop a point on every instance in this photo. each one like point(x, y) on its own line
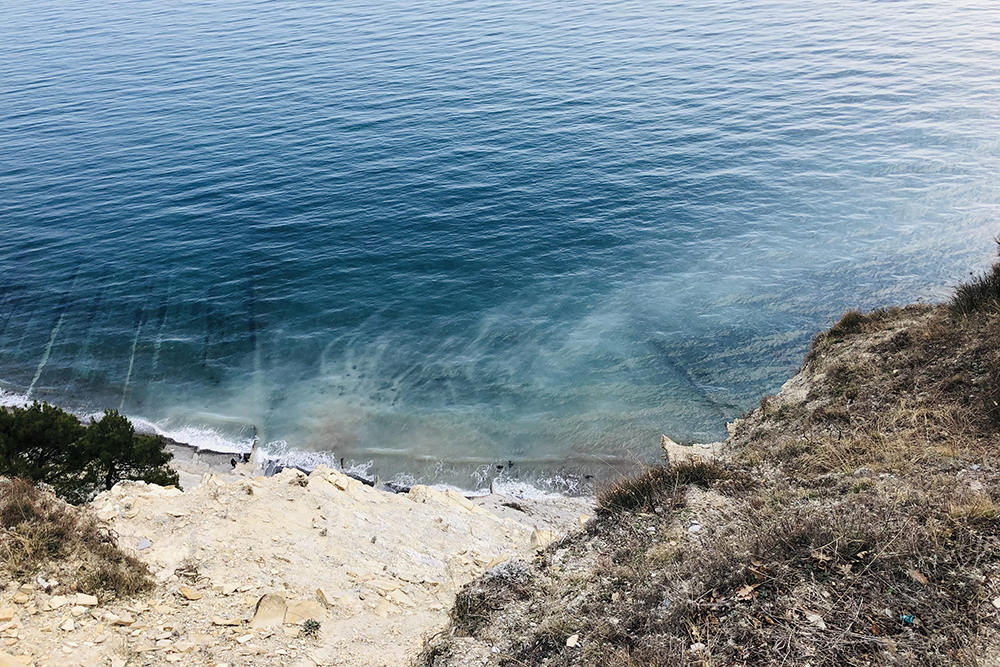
point(7, 660)
point(107, 513)
point(448, 498)
point(270, 611)
point(321, 486)
point(298, 611)
point(542, 538)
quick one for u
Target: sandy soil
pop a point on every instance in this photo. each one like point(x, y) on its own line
point(379, 571)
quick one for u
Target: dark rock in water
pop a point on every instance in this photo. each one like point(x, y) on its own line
point(363, 480)
point(393, 487)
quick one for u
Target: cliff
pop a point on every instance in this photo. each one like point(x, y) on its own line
point(242, 564)
point(850, 520)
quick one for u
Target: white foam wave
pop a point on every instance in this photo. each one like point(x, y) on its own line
point(198, 437)
point(9, 399)
point(281, 453)
point(556, 487)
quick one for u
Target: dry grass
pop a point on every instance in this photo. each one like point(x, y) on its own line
point(981, 294)
point(657, 487)
point(476, 603)
point(857, 523)
point(39, 533)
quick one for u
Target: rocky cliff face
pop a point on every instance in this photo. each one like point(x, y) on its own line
point(245, 566)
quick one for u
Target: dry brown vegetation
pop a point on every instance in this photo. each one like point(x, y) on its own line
point(42, 535)
point(854, 522)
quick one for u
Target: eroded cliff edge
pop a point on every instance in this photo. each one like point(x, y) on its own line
point(850, 520)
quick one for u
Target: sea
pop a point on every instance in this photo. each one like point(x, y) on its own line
point(481, 242)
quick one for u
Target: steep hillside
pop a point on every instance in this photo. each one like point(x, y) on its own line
point(850, 520)
point(288, 570)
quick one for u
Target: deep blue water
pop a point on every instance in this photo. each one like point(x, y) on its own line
point(443, 235)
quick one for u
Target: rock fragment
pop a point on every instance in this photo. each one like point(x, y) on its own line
point(298, 611)
point(7, 660)
point(400, 598)
point(270, 612)
point(540, 538)
point(325, 596)
point(189, 593)
point(218, 620)
point(384, 607)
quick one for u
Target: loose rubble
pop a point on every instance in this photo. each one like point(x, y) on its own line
point(242, 563)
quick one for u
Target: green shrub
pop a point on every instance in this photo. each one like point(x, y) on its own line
point(850, 323)
point(657, 486)
point(310, 628)
point(44, 444)
point(37, 442)
point(644, 491)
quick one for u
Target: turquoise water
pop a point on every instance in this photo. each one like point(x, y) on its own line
point(444, 236)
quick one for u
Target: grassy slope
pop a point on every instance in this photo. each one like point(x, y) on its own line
point(41, 535)
point(852, 523)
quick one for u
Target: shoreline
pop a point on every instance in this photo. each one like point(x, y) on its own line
point(209, 450)
point(505, 497)
point(559, 514)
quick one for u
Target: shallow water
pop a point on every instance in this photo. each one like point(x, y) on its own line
point(446, 236)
